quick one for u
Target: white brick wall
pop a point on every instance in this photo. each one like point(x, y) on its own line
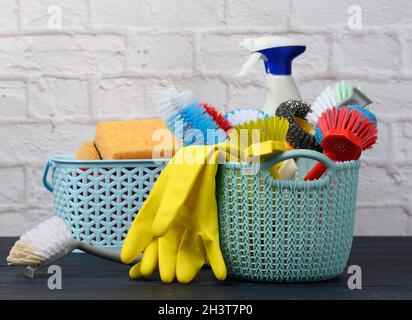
point(56, 84)
point(34, 16)
point(57, 98)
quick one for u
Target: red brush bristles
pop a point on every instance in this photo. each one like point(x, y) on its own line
point(345, 119)
point(220, 119)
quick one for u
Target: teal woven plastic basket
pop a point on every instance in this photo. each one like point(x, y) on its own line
point(286, 231)
point(99, 199)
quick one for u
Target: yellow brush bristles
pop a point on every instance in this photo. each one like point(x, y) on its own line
point(272, 130)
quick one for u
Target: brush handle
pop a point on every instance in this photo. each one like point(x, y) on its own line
point(318, 170)
point(356, 98)
point(107, 254)
point(298, 153)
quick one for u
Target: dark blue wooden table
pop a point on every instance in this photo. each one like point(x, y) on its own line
point(386, 264)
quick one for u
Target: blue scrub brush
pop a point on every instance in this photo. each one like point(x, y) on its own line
point(241, 116)
point(167, 101)
point(318, 134)
point(189, 120)
point(192, 125)
point(365, 112)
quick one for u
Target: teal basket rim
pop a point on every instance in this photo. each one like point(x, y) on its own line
point(234, 164)
point(262, 168)
point(323, 181)
point(70, 159)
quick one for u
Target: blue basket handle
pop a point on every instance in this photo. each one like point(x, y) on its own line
point(47, 184)
point(300, 153)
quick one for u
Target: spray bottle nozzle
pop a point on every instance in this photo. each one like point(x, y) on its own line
point(276, 53)
point(278, 60)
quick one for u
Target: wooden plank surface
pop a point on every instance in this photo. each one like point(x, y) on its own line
point(386, 264)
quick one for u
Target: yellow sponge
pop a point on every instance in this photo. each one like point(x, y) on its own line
point(87, 152)
point(134, 139)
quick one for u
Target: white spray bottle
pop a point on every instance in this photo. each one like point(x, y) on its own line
point(277, 54)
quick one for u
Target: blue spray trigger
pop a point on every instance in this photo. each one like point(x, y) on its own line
point(278, 60)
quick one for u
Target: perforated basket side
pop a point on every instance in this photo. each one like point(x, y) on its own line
point(100, 200)
point(281, 232)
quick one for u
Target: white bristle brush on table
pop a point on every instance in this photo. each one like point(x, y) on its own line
point(50, 241)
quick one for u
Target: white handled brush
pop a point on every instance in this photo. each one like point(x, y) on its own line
point(348, 95)
point(343, 93)
point(326, 100)
point(48, 242)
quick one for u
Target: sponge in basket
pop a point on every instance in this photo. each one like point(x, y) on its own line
point(134, 139)
point(87, 151)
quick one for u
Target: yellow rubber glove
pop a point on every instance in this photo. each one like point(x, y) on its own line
point(148, 263)
point(140, 233)
point(160, 253)
point(199, 216)
point(172, 200)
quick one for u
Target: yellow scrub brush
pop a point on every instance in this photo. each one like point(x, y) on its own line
point(261, 138)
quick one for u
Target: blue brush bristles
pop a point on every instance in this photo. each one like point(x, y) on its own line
point(240, 116)
point(318, 135)
point(192, 125)
point(365, 112)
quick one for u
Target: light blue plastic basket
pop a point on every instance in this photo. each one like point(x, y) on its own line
point(286, 231)
point(98, 200)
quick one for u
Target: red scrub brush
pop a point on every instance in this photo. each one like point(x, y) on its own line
point(219, 118)
point(347, 132)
